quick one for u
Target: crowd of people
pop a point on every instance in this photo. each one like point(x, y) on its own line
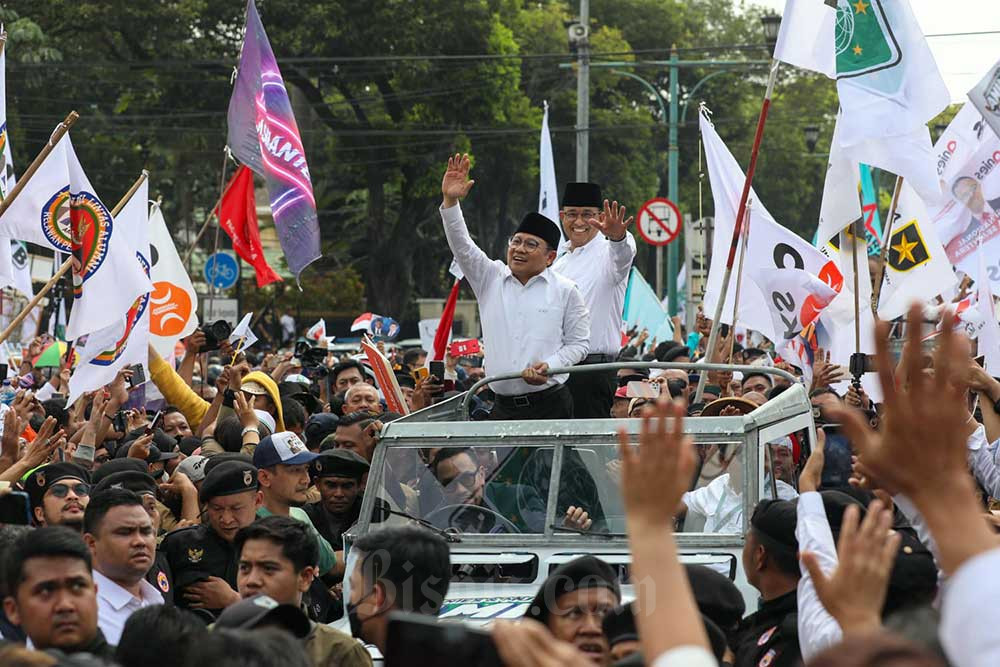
point(207, 526)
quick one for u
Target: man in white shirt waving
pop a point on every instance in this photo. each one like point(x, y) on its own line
point(598, 258)
point(533, 319)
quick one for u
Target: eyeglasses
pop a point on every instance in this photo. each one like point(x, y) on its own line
point(466, 480)
point(586, 214)
point(531, 245)
point(62, 490)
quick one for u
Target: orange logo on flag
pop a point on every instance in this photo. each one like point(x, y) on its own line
point(171, 309)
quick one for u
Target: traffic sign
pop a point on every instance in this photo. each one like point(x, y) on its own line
point(659, 221)
point(222, 270)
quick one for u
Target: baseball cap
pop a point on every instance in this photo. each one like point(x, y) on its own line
point(266, 419)
point(193, 467)
point(318, 426)
point(282, 448)
point(259, 610)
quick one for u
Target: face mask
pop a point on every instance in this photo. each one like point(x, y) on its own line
point(354, 620)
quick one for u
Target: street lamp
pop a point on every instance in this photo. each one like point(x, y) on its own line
point(772, 24)
point(812, 137)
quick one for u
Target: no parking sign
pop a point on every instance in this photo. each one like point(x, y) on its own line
point(659, 221)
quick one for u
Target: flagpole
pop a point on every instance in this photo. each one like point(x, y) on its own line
point(57, 135)
point(739, 282)
point(741, 211)
point(65, 266)
point(884, 255)
point(218, 227)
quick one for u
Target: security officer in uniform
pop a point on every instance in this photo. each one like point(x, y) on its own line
point(769, 637)
point(597, 256)
point(337, 473)
point(202, 557)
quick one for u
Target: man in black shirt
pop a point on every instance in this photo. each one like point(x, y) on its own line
point(338, 475)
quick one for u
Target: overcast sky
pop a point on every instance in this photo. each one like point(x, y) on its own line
point(963, 60)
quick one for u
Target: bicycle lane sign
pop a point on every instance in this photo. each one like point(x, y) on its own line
point(222, 270)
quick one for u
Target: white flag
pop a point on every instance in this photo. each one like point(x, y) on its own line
point(917, 268)
point(548, 198)
point(6, 160)
point(841, 204)
point(242, 336)
point(985, 96)
point(770, 246)
point(173, 307)
point(14, 270)
point(806, 36)
point(795, 299)
point(989, 336)
point(317, 332)
point(126, 342)
point(107, 279)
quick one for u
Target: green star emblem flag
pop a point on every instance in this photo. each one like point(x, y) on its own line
point(863, 39)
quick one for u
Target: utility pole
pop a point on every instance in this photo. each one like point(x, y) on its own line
point(581, 38)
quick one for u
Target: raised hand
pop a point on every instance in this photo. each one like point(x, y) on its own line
point(455, 184)
point(536, 374)
point(854, 593)
point(577, 517)
point(530, 644)
point(611, 221)
point(812, 473)
point(244, 410)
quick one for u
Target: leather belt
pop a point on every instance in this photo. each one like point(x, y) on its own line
point(528, 400)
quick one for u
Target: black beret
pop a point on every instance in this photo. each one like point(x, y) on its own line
point(716, 595)
point(116, 466)
point(188, 444)
point(223, 457)
point(835, 503)
point(160, 439)
point(133, 480)
point(339, 463)
point(228, 478)
point(318, 426)
point(716, 638)
point(582, 194)
point(41, 479)
point(773, 523)
point(580, 573)
point(538, 225)
point(619, 625)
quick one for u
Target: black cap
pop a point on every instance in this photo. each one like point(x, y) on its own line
point(773, 523)
point(717, 596)
point(619, 625)
point(318, 426)
point(116, 466)
point(339, 463)
point(406, 380)
point(580, 573)
point(223, 457)
point(133, 480)
point(259, 610)
point(228, 478)
point(538, 225)
point(41, 479)
point(188, 444)
point(582, 194)
point(299, 392)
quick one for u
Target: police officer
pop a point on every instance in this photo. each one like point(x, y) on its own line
point(58, 493)
point(598, 258)
point(769, 637)
point(202, 558)
point(337, 474)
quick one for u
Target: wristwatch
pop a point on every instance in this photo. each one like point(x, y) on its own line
point(250, 429)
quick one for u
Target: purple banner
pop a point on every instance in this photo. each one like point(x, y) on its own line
point(264, 136)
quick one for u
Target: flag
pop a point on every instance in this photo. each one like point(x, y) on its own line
point(126, 342)
point(985, 96)
point(443, 333)
point(173, 310)
point(989, 336)
point(7, 179)
point(14, 269)
point(362, 322)
point(806, 36)
point(869, 211)
point(59, 209)
point(548, 198)
point(916, 268)
point(840, 206)
point(385, 378)
point(264, 136)
point(795, 299)
point(238, 218)
point(769, 245)
point(643, 310)
point(317, 332)
point(242, 336)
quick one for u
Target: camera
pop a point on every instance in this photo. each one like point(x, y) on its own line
point(312, 359)
point(215, 333)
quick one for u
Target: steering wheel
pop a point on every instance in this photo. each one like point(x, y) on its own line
point(457, 509)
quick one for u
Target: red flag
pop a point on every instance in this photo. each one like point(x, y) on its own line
point(444, 325)
point(238, 218)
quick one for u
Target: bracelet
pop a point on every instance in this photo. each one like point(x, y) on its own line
point(250, 429)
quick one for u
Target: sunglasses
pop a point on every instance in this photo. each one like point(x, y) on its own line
point(62, 490)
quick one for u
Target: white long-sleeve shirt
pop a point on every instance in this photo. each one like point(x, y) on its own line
point(685, 656)
point(543, 320)
point(817, 628)
point(600, 269)
point(115, 605)
point(983, 461)
point(968, 628)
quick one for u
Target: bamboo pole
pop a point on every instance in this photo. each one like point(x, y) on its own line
point(60, 130)
point(65, 266)
point(885, 245)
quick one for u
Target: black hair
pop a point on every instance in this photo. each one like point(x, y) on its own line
point(777, 390)
point(661, 350)
point(45, 542)
point(56, 407)
point(229, 433)
point(171, 409)
point(346, 365)
point(410, 562)
point(751, 374)
point(822, 390)
point(261, 647)
point(297, 543)
point(160, 636)
point(102, 502)
point(362, 417)
point(292, 412)
point(449, 452)
point(9, 536)
point(410, 356)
